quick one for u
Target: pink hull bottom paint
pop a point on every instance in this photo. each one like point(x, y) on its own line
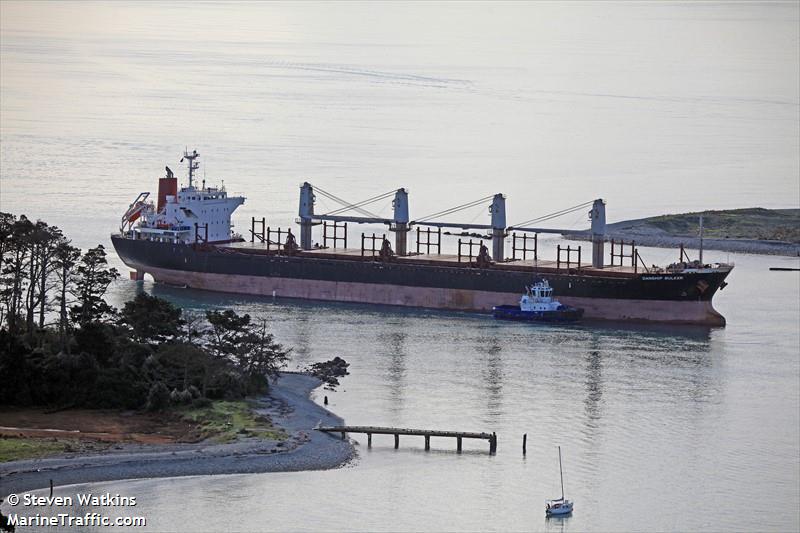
point(694, 312)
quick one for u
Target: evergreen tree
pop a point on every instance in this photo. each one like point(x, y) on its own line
point(93, 279)
point(64, 262)
point(249, 346)
point(15, 268)
point(151, 319)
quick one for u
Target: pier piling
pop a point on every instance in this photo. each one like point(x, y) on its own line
point(524, 443)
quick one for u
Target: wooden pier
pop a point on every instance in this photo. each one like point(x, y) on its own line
point(427, 433)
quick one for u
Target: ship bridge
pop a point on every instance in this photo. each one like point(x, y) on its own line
point(189, 215)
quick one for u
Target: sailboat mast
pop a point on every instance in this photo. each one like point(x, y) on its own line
point(561, 471)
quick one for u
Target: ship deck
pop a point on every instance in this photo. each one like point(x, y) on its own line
point(449, 260)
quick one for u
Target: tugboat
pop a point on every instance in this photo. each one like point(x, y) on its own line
point(537, 304)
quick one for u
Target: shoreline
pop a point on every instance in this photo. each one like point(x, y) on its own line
point(289, 404)
point(746, 246)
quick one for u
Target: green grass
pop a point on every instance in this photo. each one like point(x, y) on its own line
point(15, 448)
point(751, 223)
point(224, 421)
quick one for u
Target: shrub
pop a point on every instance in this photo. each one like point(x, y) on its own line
point(118, 388)
point(158, 397)
point(184, 397)
point(201, 402)
point(180, 397)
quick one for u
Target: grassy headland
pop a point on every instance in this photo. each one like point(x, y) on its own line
point(751, 230)
point(753, 223)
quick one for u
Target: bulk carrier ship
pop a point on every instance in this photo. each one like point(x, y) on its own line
point(185, 238)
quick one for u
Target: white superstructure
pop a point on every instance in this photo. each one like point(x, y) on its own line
point(539, 297)
point(187, 215)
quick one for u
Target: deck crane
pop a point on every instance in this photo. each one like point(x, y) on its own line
point(400, 222)
point(597, 214)
point(498, 221)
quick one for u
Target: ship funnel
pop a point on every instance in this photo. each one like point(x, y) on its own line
point(598, 217)
point(498, 211)
point(167, 186)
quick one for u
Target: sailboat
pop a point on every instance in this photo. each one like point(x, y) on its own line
point(559, 506)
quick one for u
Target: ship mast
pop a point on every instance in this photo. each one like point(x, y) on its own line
point(192, 165)
point(561, 471)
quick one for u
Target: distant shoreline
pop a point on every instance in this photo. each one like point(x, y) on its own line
point(752, 230)
point(747, 246)
point(288, 404)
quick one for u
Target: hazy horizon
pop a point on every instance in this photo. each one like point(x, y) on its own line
point(657, 108)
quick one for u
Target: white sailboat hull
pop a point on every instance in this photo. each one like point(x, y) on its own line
point(558, 507)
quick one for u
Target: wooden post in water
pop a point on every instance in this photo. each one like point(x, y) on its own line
point(369, 440)
point(493, 443)
point(344, 435)
point(427, 442)
point(396, 440)
point(458, 444)
point(524, 443)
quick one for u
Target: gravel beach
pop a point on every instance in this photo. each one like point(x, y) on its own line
point(289, 406)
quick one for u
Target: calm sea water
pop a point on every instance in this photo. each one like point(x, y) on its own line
point(654, 107)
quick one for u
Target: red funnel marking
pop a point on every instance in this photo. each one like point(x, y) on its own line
point(166, 187)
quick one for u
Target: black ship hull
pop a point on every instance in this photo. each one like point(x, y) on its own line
point(663, 297)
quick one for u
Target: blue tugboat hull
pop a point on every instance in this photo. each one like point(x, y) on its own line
point(513, 312)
